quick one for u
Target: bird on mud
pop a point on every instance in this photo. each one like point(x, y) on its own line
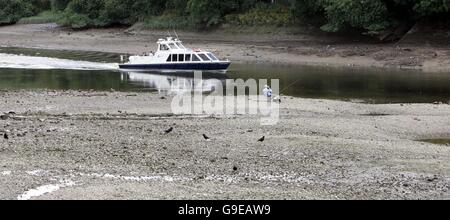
point(5, 136)
point(206, 137)
point(262, 139)
point(168, 130)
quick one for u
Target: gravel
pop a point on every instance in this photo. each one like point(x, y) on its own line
point(113, 146)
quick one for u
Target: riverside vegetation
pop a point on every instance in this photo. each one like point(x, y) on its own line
point(373, 17)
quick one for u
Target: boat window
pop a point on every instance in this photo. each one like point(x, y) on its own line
point(180, 45)
point(163, 47)
point(173, 46)
point(174, 57)
point(181, 57)
point(169, 59)
point(204, 57)
point(188, 57)
point(212, 57)
point(195, 58)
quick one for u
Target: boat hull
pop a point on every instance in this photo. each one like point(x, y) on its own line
point(223, 66)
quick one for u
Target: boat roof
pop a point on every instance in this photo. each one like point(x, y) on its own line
point(168, 40)
point(176, 45)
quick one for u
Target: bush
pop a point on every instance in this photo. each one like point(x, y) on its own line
point(168, 22)
point(13, 10)
point(59, 5)
point(263, 15)
point(101, 13)
point(371, 15)
point(205, 13)
point(43, 17)
point(83, 14)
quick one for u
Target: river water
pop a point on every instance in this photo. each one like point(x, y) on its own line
point(52, 69)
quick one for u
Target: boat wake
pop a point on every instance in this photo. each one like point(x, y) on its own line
point(13, 61)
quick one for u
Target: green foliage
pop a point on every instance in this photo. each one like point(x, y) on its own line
point(205, 13)
point(83, 13)
point(12, 10)
point(431, 7)
point(39, 5)
point(371, 16)
point(59, 5)
point(99, 13)
point(176, 7)
point(169, 22)
point(43, 17)
point(263, 15)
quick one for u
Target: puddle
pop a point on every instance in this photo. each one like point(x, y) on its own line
point(442, 141)
point(46, 189)
point(374, 114)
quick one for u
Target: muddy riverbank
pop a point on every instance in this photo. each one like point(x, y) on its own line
point(300, 48)
point(112, 145)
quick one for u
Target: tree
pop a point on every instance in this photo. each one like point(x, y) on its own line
point(371, 15)
point(59, 5)
point(12, 10)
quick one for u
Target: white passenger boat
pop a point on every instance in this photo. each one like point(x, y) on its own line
point(172, 55)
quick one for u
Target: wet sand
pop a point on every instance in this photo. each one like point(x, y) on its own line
point(302, 48)
point(112, 145)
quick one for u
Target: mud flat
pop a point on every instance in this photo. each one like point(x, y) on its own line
point(302, 48)
point(112, 145)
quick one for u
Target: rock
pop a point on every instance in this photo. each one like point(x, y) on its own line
point(235, 168)
point(4, 117)
point(22, 134)
point(432, 179)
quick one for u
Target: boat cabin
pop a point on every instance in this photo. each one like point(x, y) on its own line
point(177, 52)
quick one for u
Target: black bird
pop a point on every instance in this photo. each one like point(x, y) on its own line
point(262, 139)
point(206, 137)
point(169, 130)
point(6, 136)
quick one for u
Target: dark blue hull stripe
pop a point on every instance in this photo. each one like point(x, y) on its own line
point(181, 66)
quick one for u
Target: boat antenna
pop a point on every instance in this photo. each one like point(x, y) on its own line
point(176, 34)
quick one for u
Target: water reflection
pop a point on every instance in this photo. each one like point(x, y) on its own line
point(174, 83)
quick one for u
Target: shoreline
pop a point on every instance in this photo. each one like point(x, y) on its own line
point(292, 50)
